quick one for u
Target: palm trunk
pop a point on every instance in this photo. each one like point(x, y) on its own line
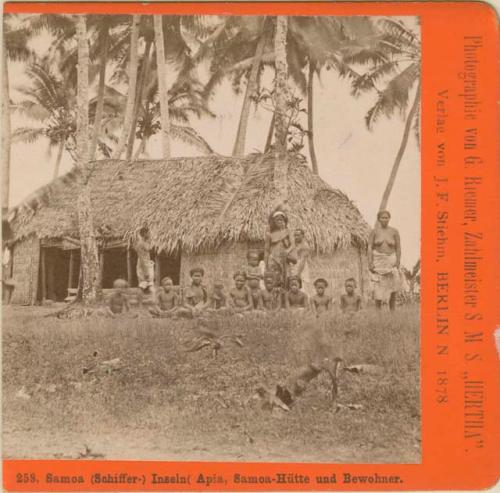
point(239, 145)
point(270, 134)
point(310, 120)
point(399, 155)
point(281, 94)
point(141, 149)
point(89, 252)
point(141, 93)
point(162, 86)
point(6, 133)
point(57, 164)
point(132, 82)
point(100, 92)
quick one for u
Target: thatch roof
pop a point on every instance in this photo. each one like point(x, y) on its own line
point(198, 203)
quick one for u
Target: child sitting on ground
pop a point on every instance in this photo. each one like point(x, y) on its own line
point(350, 302)
point(118, 301)
point(271, 294)
point(195, 296)
point(217, 299)
point(295, 298)
point(167, 299)
point(240, 299)
point(320, 302)
point(253, 283)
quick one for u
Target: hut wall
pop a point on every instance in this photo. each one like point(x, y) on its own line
point(217, 265)
point(338, 267)
point(335, 268)
point(25, 266)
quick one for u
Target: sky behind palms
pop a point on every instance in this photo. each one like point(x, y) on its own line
point(350, 157)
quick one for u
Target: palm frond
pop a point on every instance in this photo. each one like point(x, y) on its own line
point(394, 96)
point(31, 110)
point(27, 135)
point(190, 136)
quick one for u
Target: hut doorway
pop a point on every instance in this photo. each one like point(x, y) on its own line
point(58, 272)
point(168, 266)
point(114, 265)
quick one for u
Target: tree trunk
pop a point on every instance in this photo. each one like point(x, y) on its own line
point(401, 150)
point(310, 121)
point(100, 91)
point(141, 149)
point(57, 164)
point(270, 134)
point(239, 145)
point(281, 96)
point(141, 93)
point(89, 253)
point(6, 133)
point(162, 86)
point(132, 82)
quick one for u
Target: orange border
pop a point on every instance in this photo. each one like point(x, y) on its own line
point(447, 461)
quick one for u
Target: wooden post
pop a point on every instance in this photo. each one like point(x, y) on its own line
point(101, 264)
point(157, 268)
point(79, 269)
point(71, 269)
point(129, 266)
point(51, 292)
point(44, 274)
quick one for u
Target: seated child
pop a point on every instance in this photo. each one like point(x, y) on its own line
point(271, 294)
point(217, 299)
point(195, 296)
point(118, 300)
point(321, 302)
point(254, 267)
point(240, 299)
point(294, 297)
point(253, 283)
point(350, 302)
point(167, 299)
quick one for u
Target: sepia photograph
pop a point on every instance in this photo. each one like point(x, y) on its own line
point(211, 238)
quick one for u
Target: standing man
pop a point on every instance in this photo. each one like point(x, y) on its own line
point(145, 266)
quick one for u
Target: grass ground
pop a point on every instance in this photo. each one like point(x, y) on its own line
point(163, 403)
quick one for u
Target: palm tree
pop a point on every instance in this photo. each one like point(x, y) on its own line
point(162, 84)
point(393, 56)
point(132, 80)
point(239, 145)
point(281, 94)
point(238, 47)
point(50, 102)
point(90, 271)
point(184, 101)
point(14, 48)
point(104, 41)
point(176, 51)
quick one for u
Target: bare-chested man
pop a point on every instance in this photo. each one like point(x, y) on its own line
point(240, 298)
point(118, 301)
point(167, 299)
point(271, 294)
point(321, 302)
point(350, 302)
point(295, 298)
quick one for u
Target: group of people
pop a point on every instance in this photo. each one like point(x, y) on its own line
point(245, 296)
point(279, 280)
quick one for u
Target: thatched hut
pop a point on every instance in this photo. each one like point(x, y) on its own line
point(203, 211)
